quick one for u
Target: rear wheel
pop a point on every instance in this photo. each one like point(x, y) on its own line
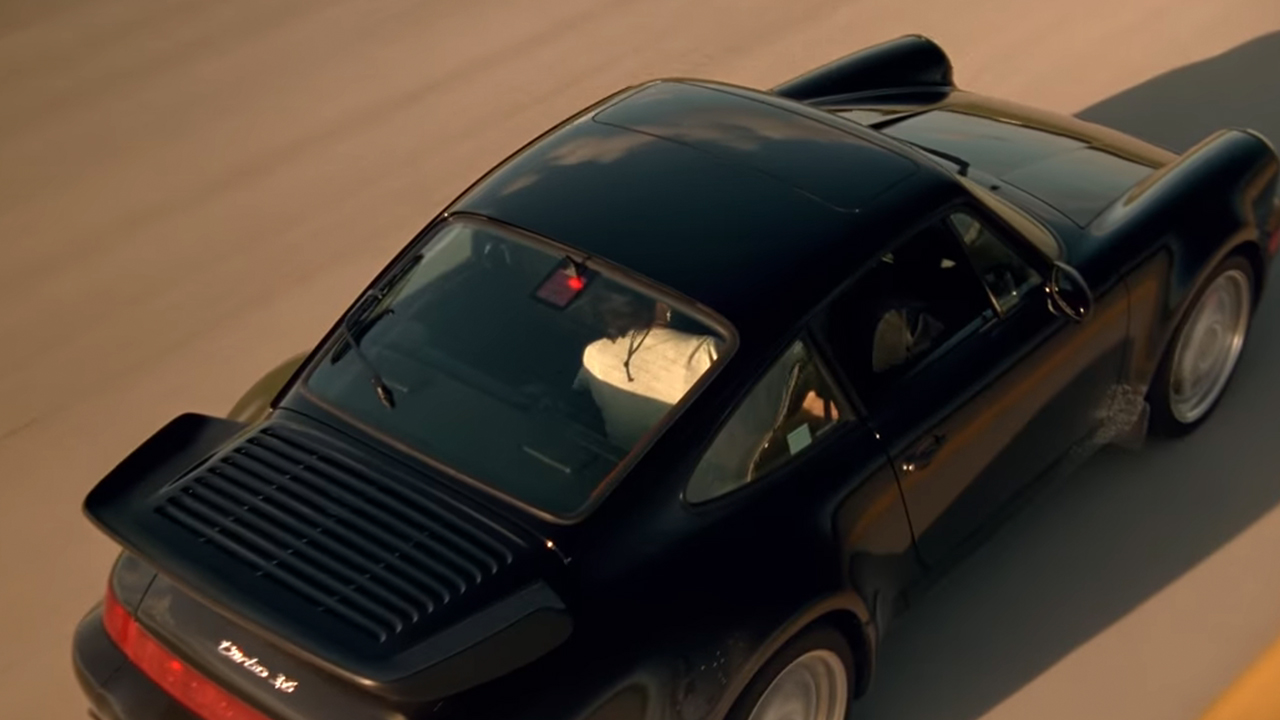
point(808, 679)
point(1205, 349)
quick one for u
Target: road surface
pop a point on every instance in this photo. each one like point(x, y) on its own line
point(189, 192)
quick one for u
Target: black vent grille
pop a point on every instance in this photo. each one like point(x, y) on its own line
point(376, 552)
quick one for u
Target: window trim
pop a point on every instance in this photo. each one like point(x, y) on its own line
point(994, 303)
point(1001, 237)
point(819, 318)
point(986, 203)
point(1024, 248)
point(850, 416)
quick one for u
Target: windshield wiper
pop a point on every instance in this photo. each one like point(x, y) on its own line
point(380, 386)
point(961, 164)
point(365, 322)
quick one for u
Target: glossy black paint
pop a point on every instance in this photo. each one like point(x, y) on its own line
point(761, 208)
point(754, 193)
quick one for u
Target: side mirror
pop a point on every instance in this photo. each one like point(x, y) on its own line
point(1069, 294)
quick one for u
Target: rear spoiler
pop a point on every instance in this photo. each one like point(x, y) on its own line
point(505, 615)
point(185, 442)
point(912, 62)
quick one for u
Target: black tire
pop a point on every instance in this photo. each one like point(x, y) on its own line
point(1164, 422)
point(819, 636)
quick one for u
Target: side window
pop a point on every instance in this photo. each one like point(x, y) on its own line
point(911, 305)
point(790, 406)
point(1004, 274)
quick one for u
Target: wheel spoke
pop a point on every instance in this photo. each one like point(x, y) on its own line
point(814, 686)
point(1209, 346)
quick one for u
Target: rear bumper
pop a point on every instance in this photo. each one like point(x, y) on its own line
point(114, 687)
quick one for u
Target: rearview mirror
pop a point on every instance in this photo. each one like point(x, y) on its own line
point(1069, 294)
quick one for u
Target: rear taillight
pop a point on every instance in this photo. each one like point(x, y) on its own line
point(196, 692)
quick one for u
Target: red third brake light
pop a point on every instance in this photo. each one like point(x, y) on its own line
point(563, 285)
point(196, 692)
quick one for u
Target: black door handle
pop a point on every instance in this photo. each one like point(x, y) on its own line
point(922, 454)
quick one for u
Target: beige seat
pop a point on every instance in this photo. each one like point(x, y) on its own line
point(638, 377)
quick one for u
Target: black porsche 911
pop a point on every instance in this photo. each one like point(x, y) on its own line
point(669, 414)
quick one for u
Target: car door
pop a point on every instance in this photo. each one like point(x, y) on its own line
point(795, 468)
point(971, 378)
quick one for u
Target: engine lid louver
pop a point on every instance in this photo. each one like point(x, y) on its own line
point(331, 546)
point(358, 545)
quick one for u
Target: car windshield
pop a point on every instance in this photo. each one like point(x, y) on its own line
point(521, 368)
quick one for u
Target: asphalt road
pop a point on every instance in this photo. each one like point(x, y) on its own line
point(189, 192)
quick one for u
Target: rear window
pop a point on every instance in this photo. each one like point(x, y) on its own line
point(520, 367)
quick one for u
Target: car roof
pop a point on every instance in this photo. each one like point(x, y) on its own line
point(751, 204)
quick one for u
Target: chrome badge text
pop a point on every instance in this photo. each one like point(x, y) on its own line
point(232, 652)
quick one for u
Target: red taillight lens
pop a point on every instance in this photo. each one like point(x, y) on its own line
point(200, 695)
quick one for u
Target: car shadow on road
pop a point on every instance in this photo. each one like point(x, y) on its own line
point(1091, 547)
point(1183, 106)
